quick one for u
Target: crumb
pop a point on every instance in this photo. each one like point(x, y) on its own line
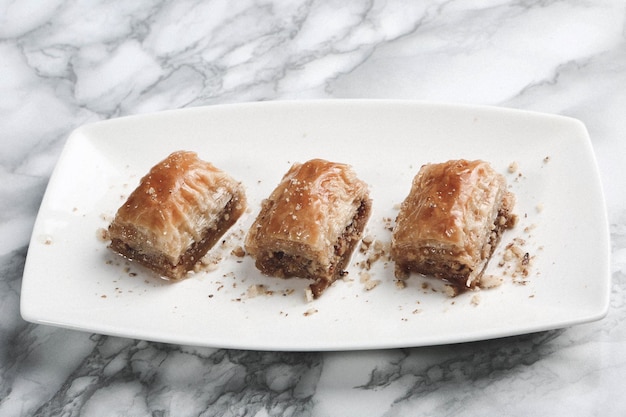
point(546, 159)
point(401, 274)
point(490, 281)
point(255, 290)
point(539, 207)
point(379, 246)
point(368, 282)
point(208, 263)
point(400, 284)
point(517, 261)
point(528, 229)
point(513, 167)
point(475, 299)
point(103, 234)
point(366, 242)
point(450, 290)
point(308, 293)
point(310, 311)
point(370, 285)
point(238, 252)
point(375, 250)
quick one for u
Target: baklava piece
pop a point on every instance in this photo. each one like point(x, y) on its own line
point(310, 224)
point(180, 209)
point(451, 221)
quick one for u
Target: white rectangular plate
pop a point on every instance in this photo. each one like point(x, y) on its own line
point(72, 280)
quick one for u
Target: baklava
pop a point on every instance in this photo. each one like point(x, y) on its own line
point(180, 209)
point(310, 224)
point(451, 222)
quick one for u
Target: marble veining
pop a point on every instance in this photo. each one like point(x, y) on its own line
point(66, 63)
point(138, 378)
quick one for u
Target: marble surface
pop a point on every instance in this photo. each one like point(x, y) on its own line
point(66, 63)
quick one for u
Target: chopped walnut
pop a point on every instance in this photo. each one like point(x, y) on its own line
point(238, 252)
point(310, 312)
point(488, 281)
point(400, 284)
point(475, 299)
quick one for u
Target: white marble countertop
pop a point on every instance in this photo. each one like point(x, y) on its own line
point(66, 63)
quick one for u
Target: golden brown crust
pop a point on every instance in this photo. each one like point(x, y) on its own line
point(176, 214)
point(310, 224)
point(451, 221)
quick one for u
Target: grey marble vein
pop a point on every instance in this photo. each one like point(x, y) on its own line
point(66, 63)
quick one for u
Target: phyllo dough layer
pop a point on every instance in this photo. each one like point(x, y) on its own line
point(451, 221)
point(310, 224)
point(177, 213)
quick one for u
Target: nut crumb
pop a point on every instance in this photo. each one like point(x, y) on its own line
point(375, 250)
point(475, 299)
point(308, 293)
point(488, 281)
point(367, 281)
point(256, 290)
point(310, 311)
point(517, 261)
point(450, 290)
point(370, 285)
point(103, 234)
point(238, 252)
point(367, 241)
point(209, 263)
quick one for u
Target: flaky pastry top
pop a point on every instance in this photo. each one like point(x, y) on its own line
point(311, 207)
point(453, 206)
